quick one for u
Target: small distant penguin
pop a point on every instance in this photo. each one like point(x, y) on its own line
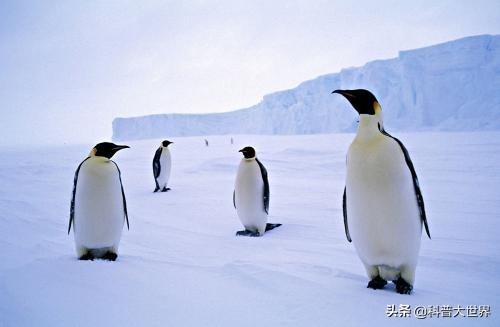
point(251, 195)
point(98, 205)
point(206, 142)
point(232, 141)
point(382, 202)
point(162, 164)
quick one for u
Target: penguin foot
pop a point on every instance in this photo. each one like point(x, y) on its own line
point(402, 286)
point(166, 189)
point(246, 232)
point(377, 283)
point(156, 189)
point(110, 256)
point(87, 256)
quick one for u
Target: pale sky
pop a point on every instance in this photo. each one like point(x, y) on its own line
point(67, 68)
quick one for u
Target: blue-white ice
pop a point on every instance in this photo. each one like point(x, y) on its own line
point(181, 265)
point(454, 86)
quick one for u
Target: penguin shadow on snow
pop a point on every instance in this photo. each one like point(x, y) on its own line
point(251, 233)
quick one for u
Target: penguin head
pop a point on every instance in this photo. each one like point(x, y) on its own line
point(166, 143)
point(248, 152)
point(107, 149)
point(362, 100)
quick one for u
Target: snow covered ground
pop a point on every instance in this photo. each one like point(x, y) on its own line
point(181, 265)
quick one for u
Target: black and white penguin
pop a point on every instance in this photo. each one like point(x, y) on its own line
point(98, 205)
point(382, 202)
point(251, 195)
point(162, 164)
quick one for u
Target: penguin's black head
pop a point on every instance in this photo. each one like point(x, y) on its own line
point(248, 152)
point(166, 143)
point(107, 149)
point(362, 100)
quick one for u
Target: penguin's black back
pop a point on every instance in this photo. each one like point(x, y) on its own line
point(416, 185)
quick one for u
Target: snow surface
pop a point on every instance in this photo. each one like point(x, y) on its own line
point(181, 265)
point(454, 86)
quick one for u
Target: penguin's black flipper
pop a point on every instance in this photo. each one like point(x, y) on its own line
point(247, 233)
point(271, 226)
point(234, 199)
point(72, 207)
point(156, 163)
point(123, 195)
point(416, 185)
point(344, 209)
point(157, 167)
point(266, 197)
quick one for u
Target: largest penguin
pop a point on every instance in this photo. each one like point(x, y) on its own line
point(98, 205)
point(382, 202)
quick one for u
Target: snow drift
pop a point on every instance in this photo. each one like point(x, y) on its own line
point(452, 86)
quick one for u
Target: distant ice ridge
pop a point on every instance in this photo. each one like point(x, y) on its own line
point(453, 86)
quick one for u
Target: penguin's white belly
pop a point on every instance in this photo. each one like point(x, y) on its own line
point(382, 211)
point(249, 196)
point(99, 212)
point(165, 164)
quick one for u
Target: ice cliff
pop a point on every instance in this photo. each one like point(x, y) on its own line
point(453, 86)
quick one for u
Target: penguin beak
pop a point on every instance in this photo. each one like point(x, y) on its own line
point(120, 147)
point(345, 93)
point(241, 150)
point(350, 97)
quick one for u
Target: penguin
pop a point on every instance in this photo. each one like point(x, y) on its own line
point(162, 162)
point(98, 206)
point(382, 204)
point(251, 195)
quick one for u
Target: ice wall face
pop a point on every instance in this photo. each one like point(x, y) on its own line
point(449, 86)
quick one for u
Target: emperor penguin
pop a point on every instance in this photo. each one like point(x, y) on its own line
point(382, 202)
point(251, 195)
point(98, 205)
point(162, 163)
